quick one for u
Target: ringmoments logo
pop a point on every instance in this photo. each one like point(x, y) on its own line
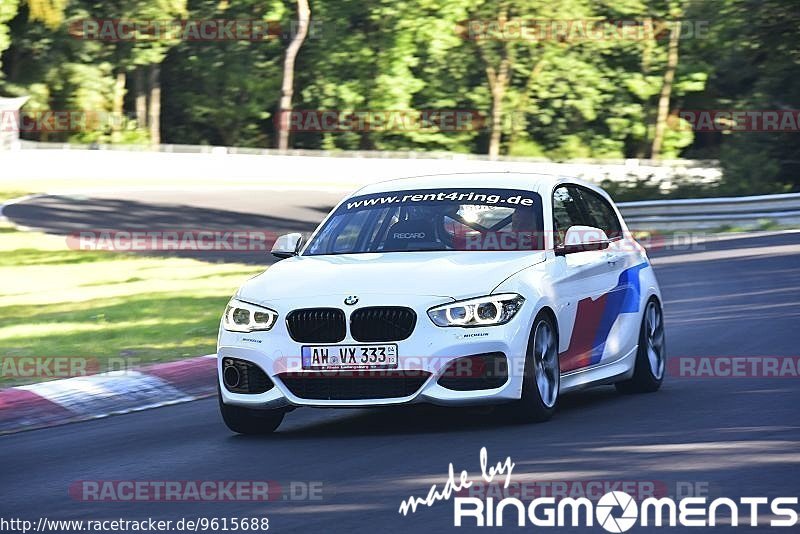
point(615, 511)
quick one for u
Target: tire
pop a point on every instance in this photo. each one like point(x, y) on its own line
point(542, 376)
point(249, 421)
point(651, 357)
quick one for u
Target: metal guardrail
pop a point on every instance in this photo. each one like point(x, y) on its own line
point(709, 213)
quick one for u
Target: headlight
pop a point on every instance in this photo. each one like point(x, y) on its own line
point(243, 317)
point(482, 311)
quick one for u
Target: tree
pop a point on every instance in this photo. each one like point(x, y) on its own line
point(550, 94)
point(141, 56)
point(221, 92)
point(752, 55)
point(287, 87)
point(8, 10)
point(676, 14)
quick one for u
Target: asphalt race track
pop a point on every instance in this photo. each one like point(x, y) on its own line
point(268, 211)
point(729, 437)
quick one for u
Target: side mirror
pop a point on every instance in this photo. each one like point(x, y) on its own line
point(287, 245)
point(581, 239)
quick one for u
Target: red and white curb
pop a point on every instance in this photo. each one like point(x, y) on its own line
point(91, 397)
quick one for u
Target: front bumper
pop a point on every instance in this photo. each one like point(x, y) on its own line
point(428, 350)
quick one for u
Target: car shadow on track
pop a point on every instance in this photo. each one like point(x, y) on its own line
point(426, 419)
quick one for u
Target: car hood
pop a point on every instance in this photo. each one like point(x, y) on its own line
point(456, 275)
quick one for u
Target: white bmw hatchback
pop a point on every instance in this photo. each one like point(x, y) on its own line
point(453, 290)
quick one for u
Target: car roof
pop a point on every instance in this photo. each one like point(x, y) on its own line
point(537, 182)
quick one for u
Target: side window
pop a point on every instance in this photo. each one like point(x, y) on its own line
point(601, 214)
point(566, 211)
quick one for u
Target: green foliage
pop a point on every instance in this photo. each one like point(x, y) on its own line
point(223, 92)
point(752, 56)
point(562, 97)
point(8, 10)
point(650, 189)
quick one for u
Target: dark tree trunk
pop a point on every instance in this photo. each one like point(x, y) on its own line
point(118, 106)
point(287, 87)
point(154, 115)
point(141, 98)
point(666, 90)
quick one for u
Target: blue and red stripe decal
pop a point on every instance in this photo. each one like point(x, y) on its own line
point(595, 318)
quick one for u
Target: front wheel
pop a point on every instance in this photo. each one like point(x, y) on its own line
point(542, 378)
point(249, 421)
point(651, 356)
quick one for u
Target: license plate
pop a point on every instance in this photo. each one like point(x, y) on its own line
point(350, 357)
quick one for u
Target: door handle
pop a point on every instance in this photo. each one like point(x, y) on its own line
point(612, 259)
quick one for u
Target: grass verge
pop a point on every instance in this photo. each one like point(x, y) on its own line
point(8, 194)
point(57, 302)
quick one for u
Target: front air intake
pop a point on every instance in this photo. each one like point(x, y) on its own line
point(477, 372)
point(354, 385)
point(241, 376)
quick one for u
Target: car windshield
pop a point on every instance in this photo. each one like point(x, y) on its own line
point(433, 219)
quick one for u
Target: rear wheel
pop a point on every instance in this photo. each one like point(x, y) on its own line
point(651, 356)
point(249, 421)
point(542, 378)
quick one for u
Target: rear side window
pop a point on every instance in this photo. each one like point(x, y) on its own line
point(566, 211)
point(600, 213)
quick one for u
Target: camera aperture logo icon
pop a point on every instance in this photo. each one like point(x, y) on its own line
point(608, 511)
